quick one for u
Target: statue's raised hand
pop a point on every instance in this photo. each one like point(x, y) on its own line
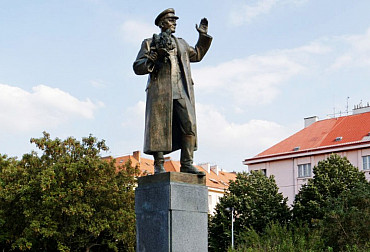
point(203, 27)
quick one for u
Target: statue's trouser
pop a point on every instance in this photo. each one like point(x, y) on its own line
point(186, 120)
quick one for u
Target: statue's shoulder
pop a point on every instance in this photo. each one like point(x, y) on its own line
point(182, 41)
point(148, 40)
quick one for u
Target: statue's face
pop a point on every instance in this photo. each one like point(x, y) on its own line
point(169, 23)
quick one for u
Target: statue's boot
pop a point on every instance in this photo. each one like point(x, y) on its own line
point(186, 160)
point(158, 163)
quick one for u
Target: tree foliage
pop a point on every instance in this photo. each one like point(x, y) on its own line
point(278, 237)
point(66, 199)
point(256, 202)
point(347, 219)
point(5, 163)
point(336, 202)
point(330, 213)
point(332, 177)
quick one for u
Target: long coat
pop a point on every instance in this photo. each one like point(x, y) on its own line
point(161, 131)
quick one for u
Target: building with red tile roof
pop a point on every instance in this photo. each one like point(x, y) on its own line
point(292, 159)
point(217, 180)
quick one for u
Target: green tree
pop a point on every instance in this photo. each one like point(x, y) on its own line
point(347, 219)
point(256, 202)
point(5, 164)
point(336, 203)
point(332, 177)
point(68, 199)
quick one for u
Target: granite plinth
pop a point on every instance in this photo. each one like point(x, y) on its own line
point(171, 213)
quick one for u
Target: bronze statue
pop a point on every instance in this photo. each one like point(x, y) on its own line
point(170, 106)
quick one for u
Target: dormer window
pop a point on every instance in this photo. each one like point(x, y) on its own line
point(338, 139)
point(213, 180)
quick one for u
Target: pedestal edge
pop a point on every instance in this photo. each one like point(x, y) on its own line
point(179, 177)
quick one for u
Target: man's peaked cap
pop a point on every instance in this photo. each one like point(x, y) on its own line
point(168, 13)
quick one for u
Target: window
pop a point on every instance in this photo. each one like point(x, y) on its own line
point(366, 162)
point(264, 172)
point(304, 170)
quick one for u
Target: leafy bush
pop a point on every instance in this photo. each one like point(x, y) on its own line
point(282, 238)
point(256, 202)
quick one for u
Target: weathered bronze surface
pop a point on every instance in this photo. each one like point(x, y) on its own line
point(170, 122)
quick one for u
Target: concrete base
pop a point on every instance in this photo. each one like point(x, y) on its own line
point(171, 213)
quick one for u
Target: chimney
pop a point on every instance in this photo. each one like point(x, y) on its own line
point(214, 168)
point(310, 120)
point(206, 166)
point(136, 155)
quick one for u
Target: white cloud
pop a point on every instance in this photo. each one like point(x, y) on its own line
point(315, 47)
point(43, 107)
point(132, 128)
point(245, 13)
point(356, 51)
point(134, 32)
point(253, 80)
point(217, 131)
point(257, 79)
point(246, 139)
point(134, 116)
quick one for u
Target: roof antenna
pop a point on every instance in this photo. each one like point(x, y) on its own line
point(347, 105)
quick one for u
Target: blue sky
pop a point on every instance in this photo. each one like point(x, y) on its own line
point(66, 68)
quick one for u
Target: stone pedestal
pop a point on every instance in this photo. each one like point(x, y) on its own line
point(171, 213)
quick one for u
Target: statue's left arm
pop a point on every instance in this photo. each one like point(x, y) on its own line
point(197, 53)
point(144, 63)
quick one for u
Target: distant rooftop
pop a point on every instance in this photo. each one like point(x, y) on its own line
point(328, 133)
point(216, 178)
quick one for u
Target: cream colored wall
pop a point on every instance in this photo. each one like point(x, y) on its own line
point(214, 196)
point(283, 171)
point(286, 171)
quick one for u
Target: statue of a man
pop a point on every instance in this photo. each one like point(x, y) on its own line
point(170, 106)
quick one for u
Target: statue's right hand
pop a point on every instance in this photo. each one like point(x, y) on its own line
point(153, 56)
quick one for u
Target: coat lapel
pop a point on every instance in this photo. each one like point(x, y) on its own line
point(179, 49)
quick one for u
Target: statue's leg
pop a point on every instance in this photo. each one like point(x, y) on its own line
point(158, 162)
point(187, 151)
point(187, 125)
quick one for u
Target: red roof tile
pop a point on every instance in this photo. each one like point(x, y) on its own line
point(346, 130)
point(146, 166)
